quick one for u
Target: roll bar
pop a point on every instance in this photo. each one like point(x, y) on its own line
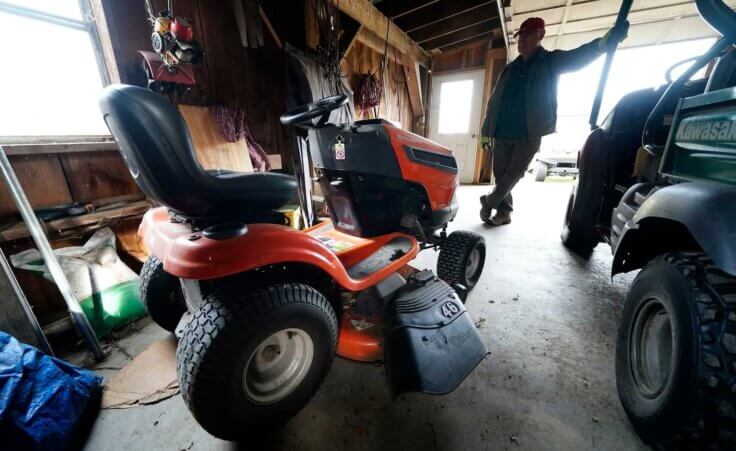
point(623, 15)
point(719, 16)
point(723, 19)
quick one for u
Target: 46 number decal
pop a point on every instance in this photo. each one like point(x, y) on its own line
point(449, 309)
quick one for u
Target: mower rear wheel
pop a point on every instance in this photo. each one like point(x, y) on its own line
point(461, 259)
point(161, 294)
point(250, 360)
point(674, 353)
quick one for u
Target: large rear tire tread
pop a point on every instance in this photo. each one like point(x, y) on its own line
point(160, 293)
point(706, 413)
point(579, 238)
point(454, 255)
point(229, 325)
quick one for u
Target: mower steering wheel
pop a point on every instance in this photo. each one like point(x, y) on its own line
point(320, 108)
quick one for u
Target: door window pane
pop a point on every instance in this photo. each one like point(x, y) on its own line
point(455, 101)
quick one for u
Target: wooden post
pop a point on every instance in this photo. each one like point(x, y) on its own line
point(495, 58)
point(411, 72)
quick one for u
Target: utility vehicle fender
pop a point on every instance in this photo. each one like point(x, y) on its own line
point(677, 218)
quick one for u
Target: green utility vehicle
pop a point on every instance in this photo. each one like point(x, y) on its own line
point(658, 183)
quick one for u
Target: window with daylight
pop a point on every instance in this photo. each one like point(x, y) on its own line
point(455, 101)
point(53, 71)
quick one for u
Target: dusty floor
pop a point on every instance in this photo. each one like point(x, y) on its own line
point(548, 318)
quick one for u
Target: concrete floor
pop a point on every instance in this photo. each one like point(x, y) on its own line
point(548, 318)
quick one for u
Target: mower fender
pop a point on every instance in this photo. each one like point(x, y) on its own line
point(190, 255)
point(682, 217)
point(431, 343)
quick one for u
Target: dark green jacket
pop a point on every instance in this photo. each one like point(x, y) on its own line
point(543, 73)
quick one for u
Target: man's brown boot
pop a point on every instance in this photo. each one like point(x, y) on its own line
point(501, 218)
point(485, 210)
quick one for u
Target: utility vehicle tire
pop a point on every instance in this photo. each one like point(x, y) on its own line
point(161, 294)
point(675, 352)
point(579, 232)
point(249, 361)
point(540, 172)
point(461, 259)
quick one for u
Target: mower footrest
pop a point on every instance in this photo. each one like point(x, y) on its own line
point(431, 343)
point(382, 257)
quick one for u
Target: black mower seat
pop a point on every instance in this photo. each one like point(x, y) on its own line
point(155, 143)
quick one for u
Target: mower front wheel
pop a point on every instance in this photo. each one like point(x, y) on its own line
point(161, 294)
point(461, 259)
point(250, 360)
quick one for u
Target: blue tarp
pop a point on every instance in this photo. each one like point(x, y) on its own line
point(42, 399)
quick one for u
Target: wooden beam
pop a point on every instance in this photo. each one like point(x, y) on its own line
point(270, 28)
point(47, 149)
point(373, 41)
point(372, 19)
point(411, 73)
point(63, 226)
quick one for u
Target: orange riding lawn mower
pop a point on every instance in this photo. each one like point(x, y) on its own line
point(260, 308)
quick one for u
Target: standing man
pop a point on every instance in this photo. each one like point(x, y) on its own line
point(523, 108)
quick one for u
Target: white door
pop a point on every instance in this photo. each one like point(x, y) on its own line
point(455, 117)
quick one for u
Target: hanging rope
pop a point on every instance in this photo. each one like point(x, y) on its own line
point(369, 92)
point(327, 16)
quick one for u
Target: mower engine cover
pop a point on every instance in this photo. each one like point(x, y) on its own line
point(375, 175)
point(431, 343)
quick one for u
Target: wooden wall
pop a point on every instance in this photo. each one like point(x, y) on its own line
point(251, 79)
point(395, 105)
point(64, 178)
point(467, 58)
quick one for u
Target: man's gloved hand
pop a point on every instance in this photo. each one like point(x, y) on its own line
point(485, 143)
point(614, 35)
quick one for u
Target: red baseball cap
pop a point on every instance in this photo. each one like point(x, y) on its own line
point(531, 24)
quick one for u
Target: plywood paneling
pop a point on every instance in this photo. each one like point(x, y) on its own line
point(212, 151)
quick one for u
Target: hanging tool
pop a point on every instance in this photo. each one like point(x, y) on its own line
point(170, 66)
